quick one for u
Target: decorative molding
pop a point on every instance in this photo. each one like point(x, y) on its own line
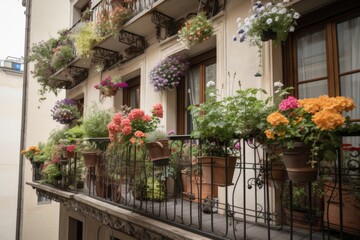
point(127, 227)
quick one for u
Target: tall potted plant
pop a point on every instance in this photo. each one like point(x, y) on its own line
point(306, 129)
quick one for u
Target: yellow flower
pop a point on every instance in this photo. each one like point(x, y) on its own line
point(276, 119)
point(328, 119)
point(269, 134)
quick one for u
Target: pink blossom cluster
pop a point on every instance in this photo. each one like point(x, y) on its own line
point(289, 103)
point(133, 127)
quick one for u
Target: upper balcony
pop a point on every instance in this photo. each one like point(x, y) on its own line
point(161, 17)
point(247, 195)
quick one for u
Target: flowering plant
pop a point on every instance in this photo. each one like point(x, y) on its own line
point(167, 74)
point(119, 15)
point(65, 111)
point(132, 128)
point(313, 121)
point(108, 87)
point(195, 30)
point(30, 152)
point(270, 21)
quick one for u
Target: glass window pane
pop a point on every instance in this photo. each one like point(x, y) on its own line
point(210, 73)
point(193, 83)
point(348, 34)
point(311, 55)
point(350, 85)
point(313, 89)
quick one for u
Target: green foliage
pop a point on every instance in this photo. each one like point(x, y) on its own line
point(73, 134)
point(44, 154)
point(95, 122)
point(62, 56)
point(85, 38)
point(50, 173)
point(56, 135)
point(155, 190)
point(42, 55)
point(155, 136)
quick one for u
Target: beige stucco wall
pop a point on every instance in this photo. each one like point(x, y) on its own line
point(41, 221)
point(10, 116)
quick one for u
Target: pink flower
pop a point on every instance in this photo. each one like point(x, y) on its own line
point(117, 118)
point(146, 118)
point(125, 122)
point(158, 110)
point(139, 134)
point(126, 130)
point(289, 103)
point(70, 148)
point(136, 114)
point(113, 127)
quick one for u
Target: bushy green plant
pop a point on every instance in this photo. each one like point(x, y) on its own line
point(155, 190)
point(50, 173)
point(95, 122)
point(44, 154)
point(75, 133)
point(62, 56)
point(155, 136)
point(85, 38)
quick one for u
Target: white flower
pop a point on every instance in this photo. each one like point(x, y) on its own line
point(292, 29)
point(269, 21)
point(246, 20)
point(252, 17)
point(283, 11)
point(289, 15)
point(238, 20)
point(274, 10)
point(210, 83)
point(286, 1)
point(269, 5)
point(278, 84)
point(276, 18)
point(296, 15)
point(279, 5)
point(211, 94)
point(261, 9)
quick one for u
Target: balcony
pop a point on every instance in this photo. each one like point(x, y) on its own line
point(163, 17)
point(245, 197)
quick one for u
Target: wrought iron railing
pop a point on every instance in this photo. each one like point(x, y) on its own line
point(241, 197)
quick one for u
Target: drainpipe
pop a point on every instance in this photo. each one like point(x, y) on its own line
point(23, 121)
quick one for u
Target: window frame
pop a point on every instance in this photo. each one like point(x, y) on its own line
point(202, 60)
point(132, 83)
point(327, 17)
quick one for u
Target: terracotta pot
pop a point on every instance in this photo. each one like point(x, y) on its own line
point(90, 158)
point(301, 219)
point(220, 175)
point(296, 162)
point(159, 152)
point(191, 188)
point(350, 208)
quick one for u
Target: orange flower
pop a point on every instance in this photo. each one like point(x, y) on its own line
point(269, 134)
point(276, 119)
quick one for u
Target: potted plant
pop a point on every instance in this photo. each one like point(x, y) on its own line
point(103, 25)
point(85, 38)
point(118, 17)
point(30, 152)
point(51, 173)
point(166, 75)
point(157, 143)
point(65, 111)
point(90, 153)
point(63, 54)
point(273, 20)
point(109, 87)
point(195, 30)
point(306, 129)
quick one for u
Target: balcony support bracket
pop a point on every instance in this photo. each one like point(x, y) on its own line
point(108, 57)
point(132, 39)
point(163, 21)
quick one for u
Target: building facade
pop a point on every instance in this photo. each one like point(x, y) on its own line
point(320, 57)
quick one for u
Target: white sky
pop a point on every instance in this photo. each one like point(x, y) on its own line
point(12, 28)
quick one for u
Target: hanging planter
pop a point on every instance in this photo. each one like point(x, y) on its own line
point(267, 35)
point(297, 163)
point(109, 87)
point(90, 158)
point(196, 30)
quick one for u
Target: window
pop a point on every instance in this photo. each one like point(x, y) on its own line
point(43, 200)
point(325, 56)
point(132, 93)
point(75, 229)
point(192, 90)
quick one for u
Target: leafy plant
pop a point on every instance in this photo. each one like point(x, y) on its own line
point(50, 173)
point(95, 122)
point(155, 135)
point(85, 38)
point(62, 56)
point(103, 26)
point(30, 152)
point(195, 30)
point(119, 15)
point(75, 133)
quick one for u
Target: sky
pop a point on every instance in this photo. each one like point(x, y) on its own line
point(12, 29)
